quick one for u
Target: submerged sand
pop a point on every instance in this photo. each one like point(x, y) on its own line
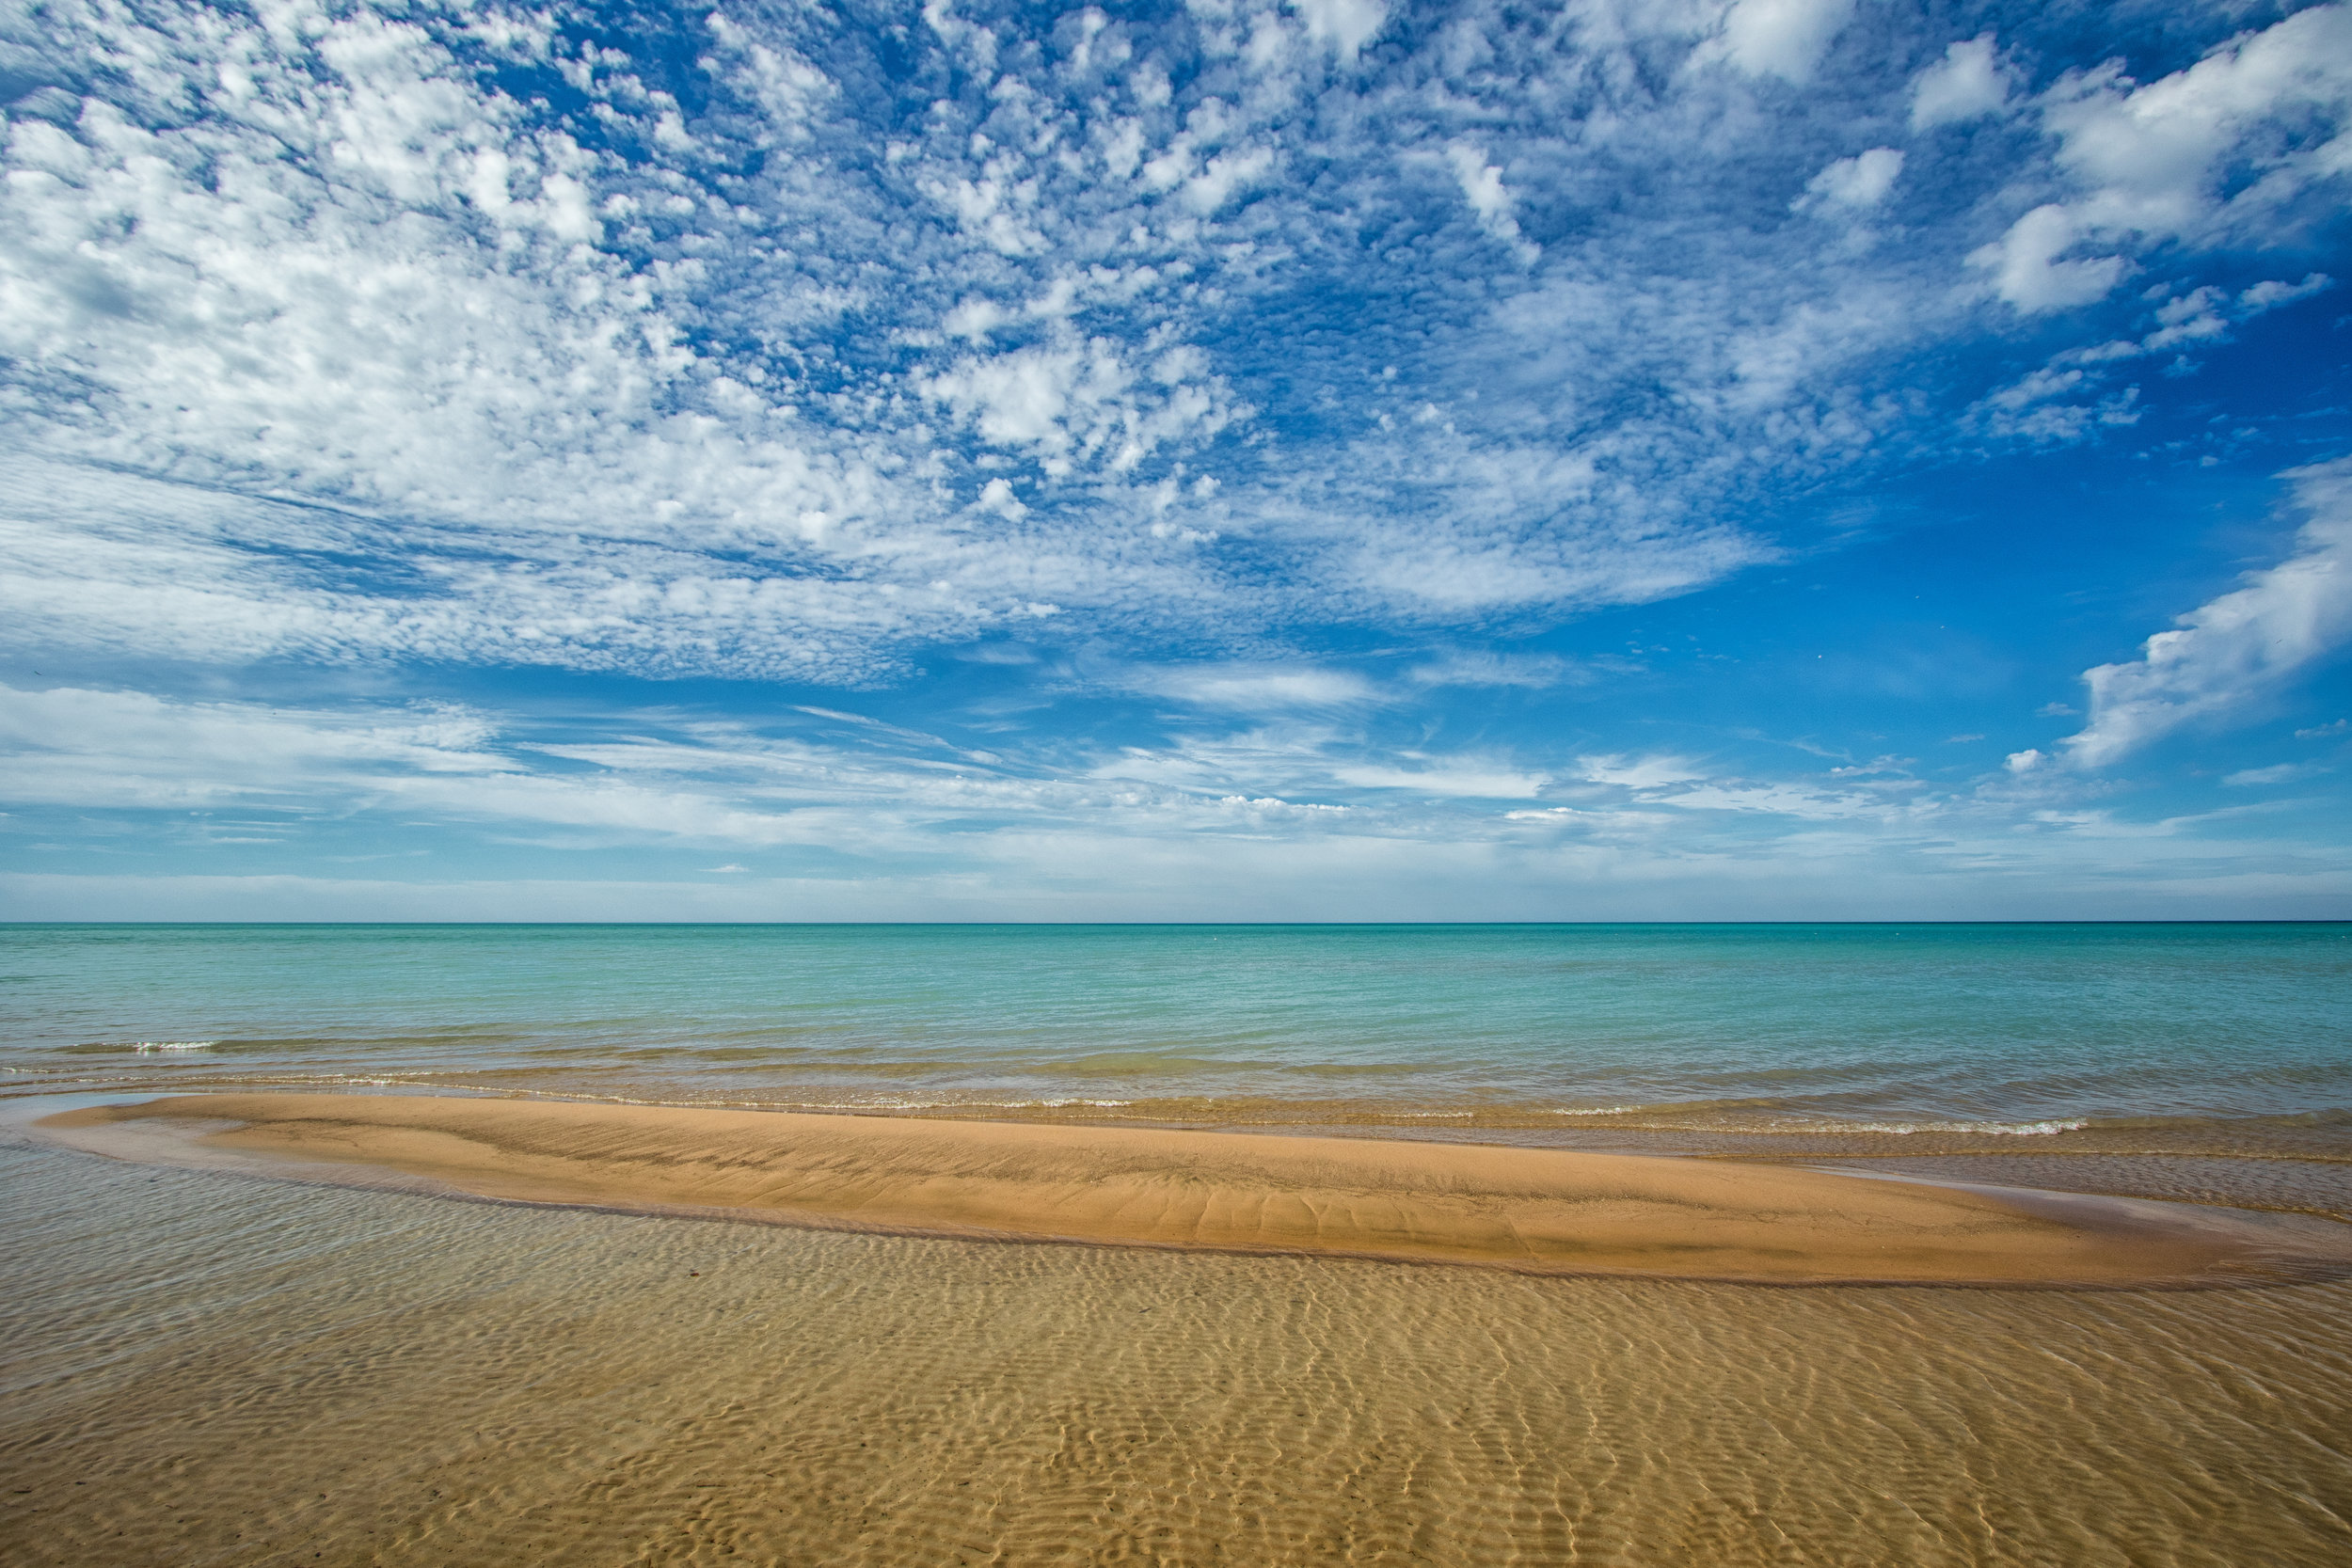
point(280, 1374)
point(1536, 1210)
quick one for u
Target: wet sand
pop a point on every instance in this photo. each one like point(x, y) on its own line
point(1534, 1211)
point(208, 1367)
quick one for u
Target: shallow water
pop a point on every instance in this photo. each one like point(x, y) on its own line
point(2217, 1039)
point(211, 1368)
point(207, 1367)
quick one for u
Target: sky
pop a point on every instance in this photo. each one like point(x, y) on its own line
point(1323, 460)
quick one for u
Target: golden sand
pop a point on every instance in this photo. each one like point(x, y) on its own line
point(1536, 1210)
point(209, 1368)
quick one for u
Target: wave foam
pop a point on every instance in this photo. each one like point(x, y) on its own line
point(1699, 1119)
point(149, 1048)
point(1982, 1128)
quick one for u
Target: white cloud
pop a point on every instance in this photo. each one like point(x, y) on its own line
point(323, 346)
point(1488, 198)
point(1968, 82)
point(1606, 824)
point(1855, 183)
point(2191, 318)
point(1388, 789)
point(2152, 157)
point(1534, 671)
point(1782, 37)
point(2028, 269)
point(1253, 687)
point(2284, 772)
point(1782, 799)
point(863, 788)
point(997, 496)
point(1458, 526)
point(1186, 833)
point(116, 565)
point(1451, 780)
point(1650, 772)
point(331, 343)
point(2222, 149)
point(357, 279)
point(2037, 407)
point(2272, 293)
point(95, 747)
point(95, 750)
point(1084, 402)
point(1226, 176)
point(1612, 870)
point(1346, 26)
point(2069, 397)
point(2232, 652)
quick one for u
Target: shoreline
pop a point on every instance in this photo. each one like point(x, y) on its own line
point(1531, 1210)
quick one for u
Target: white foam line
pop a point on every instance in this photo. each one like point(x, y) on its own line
point(1982, 1128)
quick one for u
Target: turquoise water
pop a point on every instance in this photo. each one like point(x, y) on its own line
point(2218, 1037)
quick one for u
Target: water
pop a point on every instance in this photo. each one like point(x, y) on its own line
point(2222, 1040)
point(208, 1367)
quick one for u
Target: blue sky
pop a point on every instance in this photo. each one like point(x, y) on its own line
point(1319, 460)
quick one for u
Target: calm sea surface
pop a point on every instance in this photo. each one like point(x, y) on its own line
point(2221, 1040)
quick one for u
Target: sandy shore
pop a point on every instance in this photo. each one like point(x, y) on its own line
point(1534, 1210)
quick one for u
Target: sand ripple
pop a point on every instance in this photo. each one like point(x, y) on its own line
point(203, 1369)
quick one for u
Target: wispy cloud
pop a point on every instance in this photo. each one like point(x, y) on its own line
point(1638, 772)
point(874, 821)
point(1532, 672)
point(1253, 687)
point(2284, 773)
point(1450, 779)
point(2236, 649)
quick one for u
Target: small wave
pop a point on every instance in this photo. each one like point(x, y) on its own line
point(1706, 1117)
point(1982, 1128)
point(142, 1047)
point(871, 1106)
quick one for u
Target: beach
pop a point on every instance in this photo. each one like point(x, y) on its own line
point(1252, 783)
point(483, 1246)
point(1539, 1211)
point(207, 1367)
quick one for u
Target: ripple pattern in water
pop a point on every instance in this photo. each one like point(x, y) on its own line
point(207, 1369)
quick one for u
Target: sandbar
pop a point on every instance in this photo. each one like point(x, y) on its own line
point(1538, 1210)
